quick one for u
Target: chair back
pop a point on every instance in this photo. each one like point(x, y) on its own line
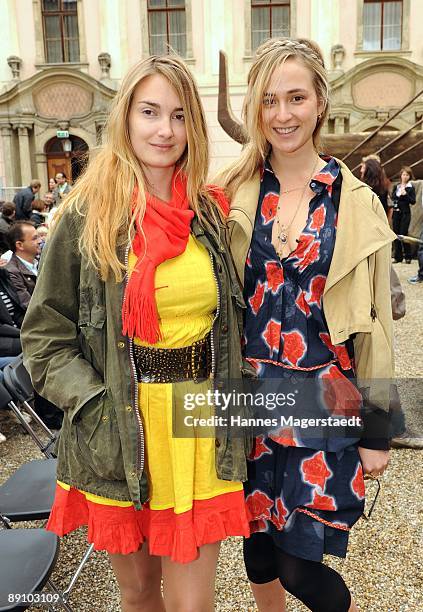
point(17, 380)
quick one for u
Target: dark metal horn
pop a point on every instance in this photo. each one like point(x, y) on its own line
point(232, 126)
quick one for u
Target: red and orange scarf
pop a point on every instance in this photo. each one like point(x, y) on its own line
point(165, 231)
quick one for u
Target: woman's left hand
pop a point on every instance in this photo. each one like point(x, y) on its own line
point(374, 462)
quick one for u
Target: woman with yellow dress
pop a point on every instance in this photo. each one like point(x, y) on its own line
point(136, 306)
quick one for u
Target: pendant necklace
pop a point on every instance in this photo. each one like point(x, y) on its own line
point(283, 229)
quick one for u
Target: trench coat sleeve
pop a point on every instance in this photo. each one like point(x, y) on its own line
point(52, 353)
point(374, 353)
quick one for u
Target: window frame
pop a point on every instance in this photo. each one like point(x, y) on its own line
point(167, 10)
point(382, 12)
point(40, 55)
point(405, 31)
point(248, 33)
point(61, 13)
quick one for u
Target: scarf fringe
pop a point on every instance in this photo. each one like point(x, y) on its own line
point(143, 320)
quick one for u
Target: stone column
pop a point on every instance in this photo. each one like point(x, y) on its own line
point(6, 138)
point(339, 124)
point(24, 154)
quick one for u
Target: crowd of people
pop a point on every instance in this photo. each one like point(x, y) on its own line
point(396, 197)
point(156, 300)
point(24, 225)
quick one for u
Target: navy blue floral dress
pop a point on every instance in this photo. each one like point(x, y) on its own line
point(305, 492)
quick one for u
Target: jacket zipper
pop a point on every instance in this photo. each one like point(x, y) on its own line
point(373, 313)
point(213, 351)
point(140, 438)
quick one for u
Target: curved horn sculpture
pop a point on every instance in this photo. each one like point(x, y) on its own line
point(232, 126)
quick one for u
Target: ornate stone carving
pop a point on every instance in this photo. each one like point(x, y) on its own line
point(63, 101)
point(382, 90)
point(15, 64)
point(338, 56)
point(105, 61)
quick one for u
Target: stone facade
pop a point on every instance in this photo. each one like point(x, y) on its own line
point(38, 98)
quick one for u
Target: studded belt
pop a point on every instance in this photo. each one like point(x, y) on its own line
point(158, 365)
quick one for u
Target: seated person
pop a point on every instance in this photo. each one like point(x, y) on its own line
point(39, 212)
point(7, 218)
point(22, 267)
point(11, 317)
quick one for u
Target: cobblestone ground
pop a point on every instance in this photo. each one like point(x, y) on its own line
point(384, 564)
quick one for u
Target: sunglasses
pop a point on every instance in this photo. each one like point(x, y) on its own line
point(372, 505)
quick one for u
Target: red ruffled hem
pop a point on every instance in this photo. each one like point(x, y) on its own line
point(123, 530)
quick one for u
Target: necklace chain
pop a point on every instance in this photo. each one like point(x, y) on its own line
point(283, 229)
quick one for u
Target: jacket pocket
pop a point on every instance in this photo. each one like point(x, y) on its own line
point(97, 439)
point(91, 323)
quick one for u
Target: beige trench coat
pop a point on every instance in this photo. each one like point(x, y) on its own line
point(356, 298)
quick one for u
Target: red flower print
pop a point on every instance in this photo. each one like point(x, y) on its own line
point(318, 218)
point(357, 483)
point(325, 338)
point(304, 242)
point(274, 275)
point(257, 299)
point(258, 505)
point(269, 206)
point(311, 256)
point(322, 502)
point(284, 436)
point(248, 260)
point(259, 449)
point(315, 470)
point(343, 356)
point(294, 347)
point(279, 517)
point(302, 304)
point(315, 290)
point(340, 350)
point(272, 335)
point(260, 525)
point(340, 396)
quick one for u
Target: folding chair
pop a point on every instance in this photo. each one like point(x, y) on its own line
point(29, 493)
point(27, 560)
point(18, 384)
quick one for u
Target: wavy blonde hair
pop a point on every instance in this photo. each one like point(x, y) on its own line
point(269, 56)
point(103, 194)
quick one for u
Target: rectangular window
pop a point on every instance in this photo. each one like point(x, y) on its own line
point(167, 26)
point(269, 18)
point(382, 24)
point(60, 26)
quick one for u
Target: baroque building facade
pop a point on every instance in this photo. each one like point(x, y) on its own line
point(61, 62)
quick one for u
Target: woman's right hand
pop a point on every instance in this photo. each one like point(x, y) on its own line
point(374, 462)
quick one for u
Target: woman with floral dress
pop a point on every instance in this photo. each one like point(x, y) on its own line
point(311, 245)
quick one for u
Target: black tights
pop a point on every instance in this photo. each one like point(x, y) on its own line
point(318, 586)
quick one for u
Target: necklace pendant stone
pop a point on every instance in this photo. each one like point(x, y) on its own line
point(283, 238)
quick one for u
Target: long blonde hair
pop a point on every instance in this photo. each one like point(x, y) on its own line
point(103, 194)
point(269, 56)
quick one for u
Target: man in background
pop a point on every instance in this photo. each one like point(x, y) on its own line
point(7, 218)
point(22, 267)
point(62, 188)
point(24, 198)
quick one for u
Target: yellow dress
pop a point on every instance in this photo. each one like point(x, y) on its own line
point(189, 506)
